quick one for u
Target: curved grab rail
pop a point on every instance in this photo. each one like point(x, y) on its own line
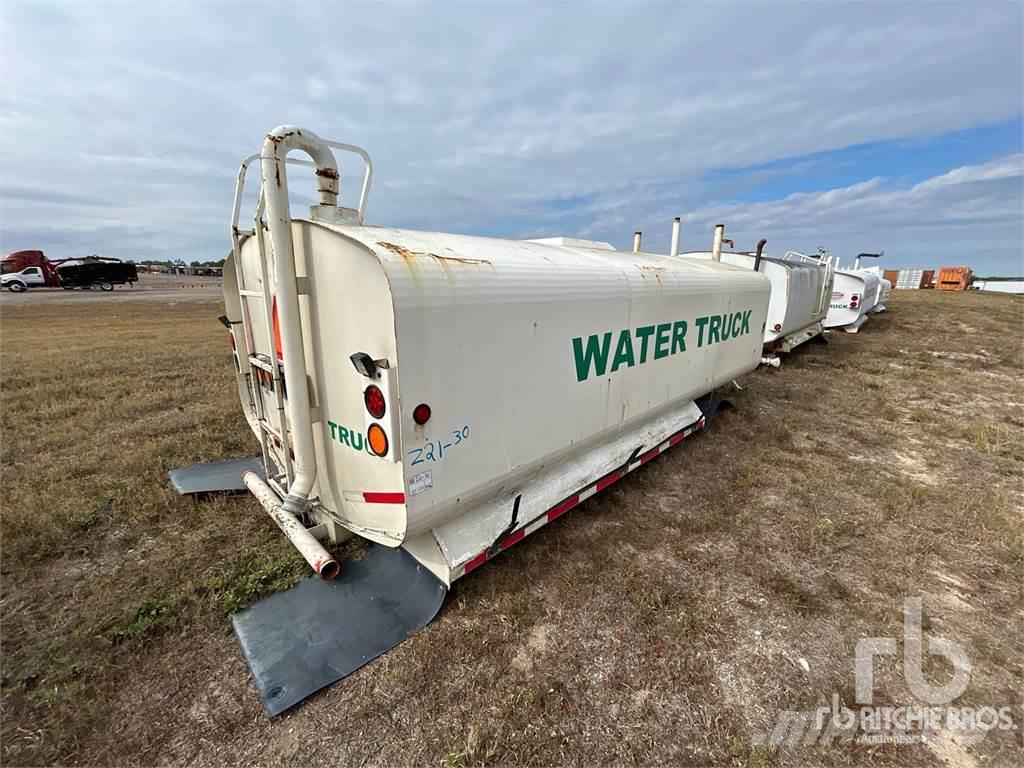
point(364, 192)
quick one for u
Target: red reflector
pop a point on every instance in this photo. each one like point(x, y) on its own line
point(383, 498)
point(421, 413)
point(232, 337)
point(374, 400)
point(476, 562)
point(778, 327)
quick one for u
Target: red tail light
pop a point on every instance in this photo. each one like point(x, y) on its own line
point(374, 400)
point(421, 413)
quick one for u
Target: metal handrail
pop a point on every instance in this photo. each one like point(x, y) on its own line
point(364, 192)
point(822, 260)
point(328, 195)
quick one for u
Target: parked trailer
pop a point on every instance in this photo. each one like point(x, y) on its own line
point(999, 284)
point(882, 292)
point(444, 396)
point(954, 279)
point(801, 289)
point(875, 299)
point(31, 269)
point(853, 295)
point(103, 274)
point(910, 279)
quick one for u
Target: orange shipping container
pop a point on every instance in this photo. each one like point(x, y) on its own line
point(892, 275)
point(954, 278)
point(928, 278)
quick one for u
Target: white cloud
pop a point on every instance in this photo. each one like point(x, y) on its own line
point(1004, 168)
point(974, 212)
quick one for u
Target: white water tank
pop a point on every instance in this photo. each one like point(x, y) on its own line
point(535, 360)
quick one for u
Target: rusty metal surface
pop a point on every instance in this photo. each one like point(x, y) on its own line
point(953, 279)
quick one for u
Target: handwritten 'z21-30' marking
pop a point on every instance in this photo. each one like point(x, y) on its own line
point(434, 450)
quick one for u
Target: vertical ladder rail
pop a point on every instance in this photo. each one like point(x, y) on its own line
point(243, 295)
point(277, 422)
point(236, 251)
point(275, 363)
point(272, 219)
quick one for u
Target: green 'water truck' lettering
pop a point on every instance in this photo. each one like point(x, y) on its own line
point(634, 347)
point(346, 436)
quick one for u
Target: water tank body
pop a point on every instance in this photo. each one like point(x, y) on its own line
point(854, 293)
point(799, 298)
point(884, 290)
point(443, 396)
point(537, 362)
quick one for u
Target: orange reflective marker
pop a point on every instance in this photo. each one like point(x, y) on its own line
point(277, 330)
point(377, 439)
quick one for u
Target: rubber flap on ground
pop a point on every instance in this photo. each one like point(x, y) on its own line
point(318, 632)
point(215, 476)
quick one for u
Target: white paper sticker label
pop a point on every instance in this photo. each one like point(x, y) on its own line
point(421, 482)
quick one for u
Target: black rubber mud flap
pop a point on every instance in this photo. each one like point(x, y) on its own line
point(318, 632)
point(711, 406)
point(215, 476)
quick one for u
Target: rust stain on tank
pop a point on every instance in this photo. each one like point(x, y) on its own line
point(405, 253)
point(656, 271)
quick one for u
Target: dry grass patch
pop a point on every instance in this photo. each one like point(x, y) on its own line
point(667, 621)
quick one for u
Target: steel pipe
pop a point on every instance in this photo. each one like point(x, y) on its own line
point(757, 257)
point(279, 221)
point(302, 539)
point(716, 249)
point(676, 226)
point(637, 236)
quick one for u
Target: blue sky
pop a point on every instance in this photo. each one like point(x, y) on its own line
point(856, 126)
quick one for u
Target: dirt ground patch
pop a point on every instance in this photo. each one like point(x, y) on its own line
point(667, 621)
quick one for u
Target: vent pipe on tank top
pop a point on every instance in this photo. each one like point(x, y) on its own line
point(676, 225)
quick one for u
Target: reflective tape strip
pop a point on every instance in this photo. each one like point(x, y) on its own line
point(566, 504)
point(383, 498)
point(607, 480)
